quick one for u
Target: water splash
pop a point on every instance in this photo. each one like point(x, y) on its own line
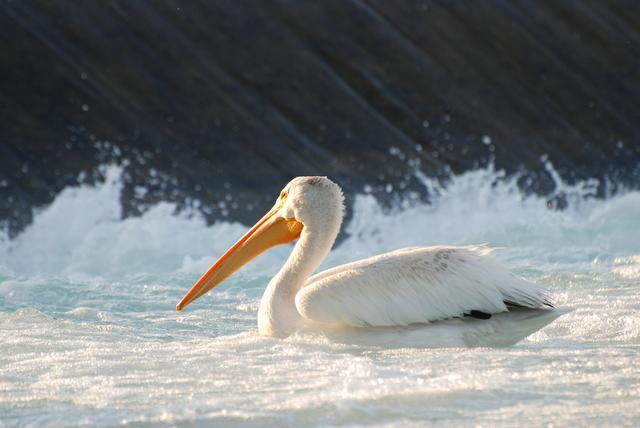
point(87, 316)
point(82, 233)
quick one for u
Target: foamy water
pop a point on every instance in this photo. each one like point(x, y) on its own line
point(90, 336)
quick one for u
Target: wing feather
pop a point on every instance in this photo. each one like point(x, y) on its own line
point(415, 285)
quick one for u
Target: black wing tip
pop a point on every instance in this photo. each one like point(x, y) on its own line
point(511, 304)
point(478, 315)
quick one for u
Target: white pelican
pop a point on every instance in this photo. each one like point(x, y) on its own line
point(396, 292)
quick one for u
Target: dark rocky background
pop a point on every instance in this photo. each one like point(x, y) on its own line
point(207, 100)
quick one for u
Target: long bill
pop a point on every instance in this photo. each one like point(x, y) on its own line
point(269, 231)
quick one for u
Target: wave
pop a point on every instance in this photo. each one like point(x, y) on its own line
point(82, 232)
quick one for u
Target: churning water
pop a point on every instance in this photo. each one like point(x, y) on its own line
point(89, 334)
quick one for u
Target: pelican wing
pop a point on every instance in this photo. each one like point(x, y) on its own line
point(415, 285)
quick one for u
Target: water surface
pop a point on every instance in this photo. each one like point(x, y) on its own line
point(90, 336)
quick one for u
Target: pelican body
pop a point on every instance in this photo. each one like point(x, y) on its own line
point(394, 291)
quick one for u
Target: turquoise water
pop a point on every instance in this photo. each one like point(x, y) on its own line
point(90, 336)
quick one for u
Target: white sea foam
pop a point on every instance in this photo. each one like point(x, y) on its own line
point(90, 336)
point(82, 232)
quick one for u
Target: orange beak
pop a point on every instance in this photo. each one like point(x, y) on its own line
point(269, 231)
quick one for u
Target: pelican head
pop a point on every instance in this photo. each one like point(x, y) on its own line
point(313, 201)
point(306, 205)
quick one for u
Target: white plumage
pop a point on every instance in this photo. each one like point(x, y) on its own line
point(414, 285)
point(403, 288)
